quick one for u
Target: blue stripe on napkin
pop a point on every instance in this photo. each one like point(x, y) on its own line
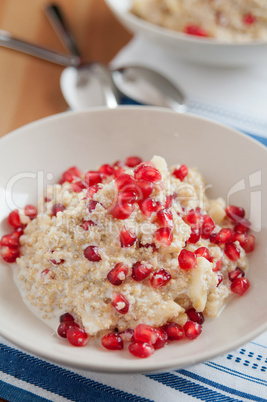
point(14, 394)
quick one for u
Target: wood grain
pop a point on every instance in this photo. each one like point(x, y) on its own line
point(29, 87)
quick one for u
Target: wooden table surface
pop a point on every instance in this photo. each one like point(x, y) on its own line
point(30, 87)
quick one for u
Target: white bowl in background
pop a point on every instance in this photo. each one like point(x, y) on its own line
point(191, 48)
point(234, 164)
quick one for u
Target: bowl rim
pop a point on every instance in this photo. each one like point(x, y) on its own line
point(150, 367)
point(176, 35)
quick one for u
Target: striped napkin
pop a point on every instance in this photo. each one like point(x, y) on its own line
point(234, 97)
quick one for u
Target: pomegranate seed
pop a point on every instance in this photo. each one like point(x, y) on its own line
point(117, 275)
point(66, 317)
point(64, 326)
point(127, 195)
point(78, 186)
point(77, 336)
point(118, 171)
point(120, 303)
point(141, 271)
point(92, 177)
point(220, 279)
point(55, 262)
point(145, 188)
point(203, 252)
point(195, 235)
point(207, 227)
point(92, 190)
point(160, 278)
point(133, 161)
point(91, 253)
point(148, 206)
point(213, 238)
point(193, 217)
point(30, 211)
point(112, 341)
point(218, 266)
point(147, 172)
point(45, 272)
point(142, 350)
point(107, 169)
point(117, 164)
point(195, 30)
point(174, 331)
point(237, 273)
point(127, 238)
point(161, 340)
point(124, 180)
point(9, 240)
point(92, 205)
point(163, 236)
point(232, 252)
point(148, 245)
point(127, 334)
point(240, 286)
point(47, 199)
point(195, 316)
point(121, 210)
point(225, 235)
point(9, 254)
point(17, 233)
point(14, 219)
point(243, 226)
point(57, 208)
point(181, 172)
point(249, 246)
point(187, 259)
point(192, 329)
point(145, 333)
point(249, 19)
point(86, 224)
point(73, 173)
point(165, 217)
point(235, 213)
point(169, 200)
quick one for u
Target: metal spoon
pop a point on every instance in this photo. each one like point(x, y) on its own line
point(135, 82)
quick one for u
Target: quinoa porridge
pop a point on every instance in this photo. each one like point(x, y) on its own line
point(132, 252)
point(225, 20)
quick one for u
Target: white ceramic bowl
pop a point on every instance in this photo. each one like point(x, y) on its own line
point(230, 161)
point(188, 47)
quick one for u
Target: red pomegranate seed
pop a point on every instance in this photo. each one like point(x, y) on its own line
point(181, 172)
point(57, 208)
point(66, 317)
point(220, 279)
point(174, 331)
point(92, 205)
point(249, 246)
point(192, 329)
point(237, 273)
point(218, 265)
point(225, 235)
point(124, 180)
point(249, 19)
point(127, 195)
point(148, 172)
point(148, 206)
point(161, 340)
point(148, 245)
point(213, 238)
point(195, 30)
point(160, 278)
point(77, 336)
point(240, 286)
point(145, 333)
point(107, 169)
point(187, 259)
point(9, 254)
point(122, 210)
point(118, 274)
point(30, 211)
point(14, 219)
point(232, 252)
point(195, 235)
point(92, 177)
point(195, 316)
point(112, 341)
point(235, 213)
point(118, 171)
point(142, 350)
point(78, 186)
point(117, 164)
point(141, 271)
point(203, 252)
point(133, 161)
point(127, 334)
point(243, 226)
point(73, 173)
point(169, 200)
point(64, 326)
point(145, 188)
point(207, 227)
point(165, 217)
point(127, 238)
point(194, 218)
point(120, 303)
point(91, 253)
point(55, 262)
point(9, 240)
point(86, 224)
point(92, 190)
point(163, 236)
point(17, 233)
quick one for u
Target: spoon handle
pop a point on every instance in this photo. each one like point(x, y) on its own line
point(61, 27)
point(10, 42)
